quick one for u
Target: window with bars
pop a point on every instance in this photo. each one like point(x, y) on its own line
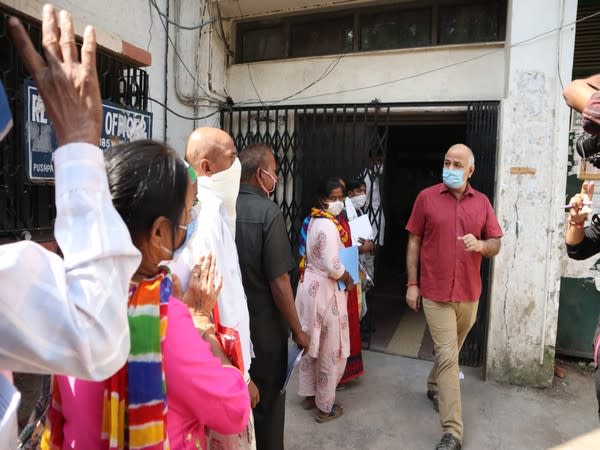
point(403, 25)
point(27, 210)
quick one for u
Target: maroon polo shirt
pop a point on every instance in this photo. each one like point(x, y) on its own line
point(447, 272)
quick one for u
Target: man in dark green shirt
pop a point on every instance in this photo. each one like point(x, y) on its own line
point(265, 261)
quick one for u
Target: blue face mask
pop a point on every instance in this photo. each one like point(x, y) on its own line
point(189, 232)
point(453, 178)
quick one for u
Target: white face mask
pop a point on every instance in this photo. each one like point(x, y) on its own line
point(359, 200)
point(335, 208)
point(226, 184)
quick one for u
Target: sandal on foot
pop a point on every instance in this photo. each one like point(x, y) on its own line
point(336, 412)
point(309, 403)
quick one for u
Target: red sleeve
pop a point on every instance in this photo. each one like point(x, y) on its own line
point(416, 222)
point(198, 386)
point(492, 227)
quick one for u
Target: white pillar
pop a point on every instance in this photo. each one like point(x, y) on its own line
point(533, 135)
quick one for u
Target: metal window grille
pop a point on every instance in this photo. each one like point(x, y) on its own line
point(27, 210)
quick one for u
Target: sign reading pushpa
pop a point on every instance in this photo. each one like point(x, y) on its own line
point(119, 124)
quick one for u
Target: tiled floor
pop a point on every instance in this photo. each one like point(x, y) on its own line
point(397, 329)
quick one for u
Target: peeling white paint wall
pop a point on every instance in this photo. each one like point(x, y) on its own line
point(534, 134)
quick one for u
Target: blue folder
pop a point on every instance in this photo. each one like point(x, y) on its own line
point(349, 259)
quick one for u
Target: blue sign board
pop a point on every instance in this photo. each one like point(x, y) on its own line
point(119, 124)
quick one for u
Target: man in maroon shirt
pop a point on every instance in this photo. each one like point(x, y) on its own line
point(452, 226)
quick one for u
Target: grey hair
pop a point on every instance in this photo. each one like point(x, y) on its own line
point(253, 158)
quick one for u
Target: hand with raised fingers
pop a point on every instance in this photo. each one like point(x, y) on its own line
point(580, 204)
point(69, 87)
point(202, 293)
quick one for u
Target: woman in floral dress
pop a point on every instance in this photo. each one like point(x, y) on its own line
point(321, 304)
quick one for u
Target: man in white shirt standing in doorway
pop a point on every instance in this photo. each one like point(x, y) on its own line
point(212, 154)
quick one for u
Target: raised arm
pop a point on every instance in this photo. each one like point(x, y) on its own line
point(70, 316)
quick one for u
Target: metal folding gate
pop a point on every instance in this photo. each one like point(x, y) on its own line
point(312, 141)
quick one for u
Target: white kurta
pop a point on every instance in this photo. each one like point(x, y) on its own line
point(70, 316)
point(212, 235)
point(374, 202)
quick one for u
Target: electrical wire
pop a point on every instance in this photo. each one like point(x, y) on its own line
point(183, 27)
point(420, 74)
point(222, 35)
point(253, 85)
point(562, 17)
point(330, 68)
point(217, 111)
point(187, 69)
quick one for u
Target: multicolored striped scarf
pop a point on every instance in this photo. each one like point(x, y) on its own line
point(134, 412)
point(316, 212)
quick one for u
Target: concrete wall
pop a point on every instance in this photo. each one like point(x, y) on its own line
point(429, 74)
point(533, 135)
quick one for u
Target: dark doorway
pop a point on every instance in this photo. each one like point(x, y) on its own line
point(312, 141)
point(413, 162)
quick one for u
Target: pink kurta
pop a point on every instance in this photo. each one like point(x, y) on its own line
point(323, 314)
point(200, 392)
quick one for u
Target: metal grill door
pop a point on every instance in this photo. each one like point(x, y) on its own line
point(482, 126)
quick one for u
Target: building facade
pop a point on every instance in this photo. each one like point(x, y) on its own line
point(332, 85)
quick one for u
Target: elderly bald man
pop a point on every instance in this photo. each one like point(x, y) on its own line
point(452, 226)
point(212, 154)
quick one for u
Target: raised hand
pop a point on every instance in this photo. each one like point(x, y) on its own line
point(69, 88)
point(202, 293)
point(580, 203)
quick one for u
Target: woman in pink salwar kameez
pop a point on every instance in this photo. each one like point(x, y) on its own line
point(321, 305)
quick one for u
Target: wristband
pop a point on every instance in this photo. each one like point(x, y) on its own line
point(412, 283)
point(576, 224)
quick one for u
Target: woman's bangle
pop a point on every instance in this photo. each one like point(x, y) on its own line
point(412, 283)
point(204, 328)
point(200, 319)
point(576, 224)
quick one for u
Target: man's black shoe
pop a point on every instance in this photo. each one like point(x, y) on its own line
point(435, 399)
point(449, 442)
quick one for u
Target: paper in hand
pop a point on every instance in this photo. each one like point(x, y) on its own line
point(361, 228)
point(294, 357)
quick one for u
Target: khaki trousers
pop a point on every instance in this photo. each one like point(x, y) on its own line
point(449, 324)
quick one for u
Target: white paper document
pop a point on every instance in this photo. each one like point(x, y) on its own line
point(361, 228)
point(9, 403)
